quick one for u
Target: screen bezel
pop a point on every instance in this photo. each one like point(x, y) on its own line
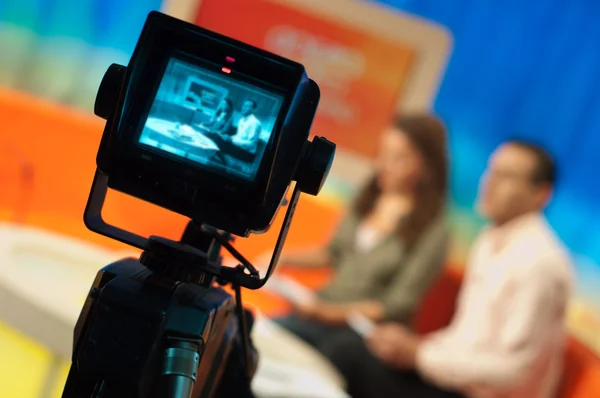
point(216, 69)
point(162, 38)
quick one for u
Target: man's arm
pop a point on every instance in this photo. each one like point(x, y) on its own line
point(249, 142)
point(534, 307)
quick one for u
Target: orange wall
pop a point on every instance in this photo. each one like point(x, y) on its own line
point(61, 145)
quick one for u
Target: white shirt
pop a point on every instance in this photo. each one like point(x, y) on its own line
point(507, 337)
point(248, 132)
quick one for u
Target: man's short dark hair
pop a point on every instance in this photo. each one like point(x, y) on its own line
point(545, 170)
point(252, 102)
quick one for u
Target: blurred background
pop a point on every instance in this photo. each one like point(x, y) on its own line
point(492, 70)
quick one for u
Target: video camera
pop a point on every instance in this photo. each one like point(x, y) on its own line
point(215, 130)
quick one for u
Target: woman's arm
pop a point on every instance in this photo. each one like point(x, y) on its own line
point(311, 258)
point(337, 313)
point(317, 257)
point(406, 290)
point(321, 256)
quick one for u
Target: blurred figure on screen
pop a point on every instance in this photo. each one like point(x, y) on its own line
point(220, 123)
point(392, 242)
point(506, 338)
point(248, 128)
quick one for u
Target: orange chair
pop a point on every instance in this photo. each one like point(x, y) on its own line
point(437, 307)
point(582, 372)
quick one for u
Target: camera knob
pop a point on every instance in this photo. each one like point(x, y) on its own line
point(315, 165)
point(108, 93)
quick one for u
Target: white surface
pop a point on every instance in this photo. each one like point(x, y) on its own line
point(45, 278)
point(290, 288)
point(275, 378)
point(180, 132)
point(51, 271)
point(288, 367)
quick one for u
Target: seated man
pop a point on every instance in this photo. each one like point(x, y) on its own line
point(506, 339)
point(248, 128)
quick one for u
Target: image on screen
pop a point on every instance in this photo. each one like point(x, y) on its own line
point(211, 119)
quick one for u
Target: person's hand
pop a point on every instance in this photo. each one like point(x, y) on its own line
point(394, 344)
point(308, 308)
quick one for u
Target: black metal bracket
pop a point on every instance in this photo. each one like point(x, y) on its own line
point(246, 276)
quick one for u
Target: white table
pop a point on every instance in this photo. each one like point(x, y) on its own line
point(290, 368)
point(180, 138)
point(45, 278)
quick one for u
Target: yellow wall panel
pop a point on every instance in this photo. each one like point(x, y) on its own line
point(24, 364)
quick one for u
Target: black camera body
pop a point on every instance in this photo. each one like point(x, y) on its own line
point(167, 53)
point(130, 323)
point(215, 130)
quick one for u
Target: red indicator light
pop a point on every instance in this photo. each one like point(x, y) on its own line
point(230, 59)
point(225, 70)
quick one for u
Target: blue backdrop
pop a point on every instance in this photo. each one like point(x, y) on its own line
point(61, 48)
point(530, 70)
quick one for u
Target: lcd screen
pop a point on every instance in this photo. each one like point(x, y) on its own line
point(210, 119)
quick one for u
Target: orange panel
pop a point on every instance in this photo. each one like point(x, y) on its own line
point(360, 85)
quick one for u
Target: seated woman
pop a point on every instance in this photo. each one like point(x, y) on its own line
point(220, 123)
point(392, 242)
